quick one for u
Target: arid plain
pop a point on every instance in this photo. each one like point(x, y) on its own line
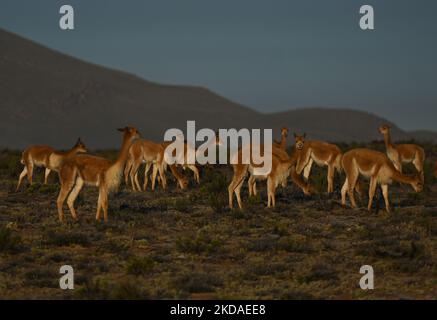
point(188, 244)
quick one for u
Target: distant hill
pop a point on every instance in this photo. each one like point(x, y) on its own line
point(48, 97)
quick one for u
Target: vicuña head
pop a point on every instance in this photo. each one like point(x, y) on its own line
point(308, 189)
point(130, 133)
point(384, 129)
point(416, 183)
point(299, 141)
point(80, 147)
point(284, 132)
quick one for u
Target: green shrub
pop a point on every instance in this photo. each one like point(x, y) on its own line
point(41, 277)
point(139, 265)
point(197, 282)
point(9, 241)
point(215, 190)
point(162, 205)
point(198, 244)
point(68, 238)
point(10, 163)
point(182, 205)
point(295, 243)
point(102, 289)
point(319, 272)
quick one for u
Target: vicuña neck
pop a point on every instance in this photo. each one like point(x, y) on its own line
point(387, 140)
point(71, 152)
point(402, 178)
point(283, 141)
point(123, 154)
point(115, 172)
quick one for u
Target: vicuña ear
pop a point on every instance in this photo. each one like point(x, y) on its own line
point(121, 129)
point(305, 135)
point(295, 135)
point(78, 140)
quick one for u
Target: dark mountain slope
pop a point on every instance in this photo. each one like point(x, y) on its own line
point(49, 97)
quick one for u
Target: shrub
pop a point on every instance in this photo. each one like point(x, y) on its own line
point(67, 238)
point(182, 205)
point(295, 243)
point(198, 244)
point(318, 272)
point(297, 295)
point(41, 277)
point(215, 191)
point(129, 290)
point(263, 244)
point(139, 265)
point(162, 205)
point(9, 241)
point(10, 163)
point(197, 282)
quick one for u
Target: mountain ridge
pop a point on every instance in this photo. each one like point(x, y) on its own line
point(52, 98)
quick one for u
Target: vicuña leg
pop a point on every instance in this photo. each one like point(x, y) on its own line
point(271, 189)
point(344, 190)
point(146, 176)
point(154, 173)
point(20, 179)
point(127, 171)
point(384, 188)
point(353, 178)
point(418, 164)
point(102, 204)
point(29, 166)
point(372, 189)
point(46, 175)
point(134, 176)
point(73, 195)
point(238, 193)
point(193, 168)
point(63, 193)
point(251, 184)
point(162, 175)
point(307, 169)
point(237, 181)
point(331, 172)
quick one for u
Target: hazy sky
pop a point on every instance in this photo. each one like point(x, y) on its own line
point(270, 55)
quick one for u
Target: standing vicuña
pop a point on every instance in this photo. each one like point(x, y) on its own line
point(47, 157)
point(283, 166)
point(150, 153)
point(376, 166)
point(283, 143)
point(403, 153)
point(136, 156)
point(95, 171)
point(322, 153)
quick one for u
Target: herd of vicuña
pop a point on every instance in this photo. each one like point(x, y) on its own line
point(76, 168)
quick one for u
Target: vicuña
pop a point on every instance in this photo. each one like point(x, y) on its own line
point(403, 153)
point(282, 166)
point(94, 171)
point(322, 153)
point(376, 166)
point(47, 157)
